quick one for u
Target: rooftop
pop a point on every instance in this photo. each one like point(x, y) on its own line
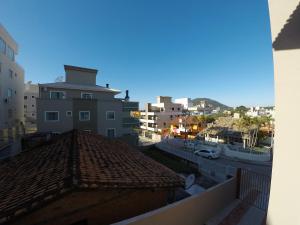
point(82, 69)
point(76, 160)
point(65, 85)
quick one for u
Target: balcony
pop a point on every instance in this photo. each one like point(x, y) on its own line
point(130, 106)
point(194, 210)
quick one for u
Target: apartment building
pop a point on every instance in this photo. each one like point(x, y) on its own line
point(186, 102)
point(159, 116)
point(78, 103)
point(31, 93)
point(11, 89)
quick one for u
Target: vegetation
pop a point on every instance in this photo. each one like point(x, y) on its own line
point(169, 161)
point(212, 102)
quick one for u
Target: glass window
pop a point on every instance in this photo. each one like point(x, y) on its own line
point(69, 113)
point(51, 116)
point(57, 95)
point(110, 115)
point(84, 115)
point(25, 97)
point(0, 67)
point(86, 95)
point(111, 132)
point(9, 92)
point(2, 45)
point(11, 74)
point(10, 53)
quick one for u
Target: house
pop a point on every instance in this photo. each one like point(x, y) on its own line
point(31, 93)
point(78, 103)
point(82, 178)
point(159, 116)
point(11, 89)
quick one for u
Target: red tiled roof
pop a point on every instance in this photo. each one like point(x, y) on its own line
point(72, 160)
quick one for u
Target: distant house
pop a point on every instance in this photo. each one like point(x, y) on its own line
point(79, 103)
point(82, 178)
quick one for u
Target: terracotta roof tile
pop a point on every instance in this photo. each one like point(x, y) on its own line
point(76, 159)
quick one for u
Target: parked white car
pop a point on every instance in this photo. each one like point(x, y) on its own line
point(210, 154)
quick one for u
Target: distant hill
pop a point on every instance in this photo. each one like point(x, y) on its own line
point(214, 103)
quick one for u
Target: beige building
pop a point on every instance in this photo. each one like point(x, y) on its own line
point(284, 198)
point(159, 116)
point(11, 89)
point(78, 103)
point(31, 93)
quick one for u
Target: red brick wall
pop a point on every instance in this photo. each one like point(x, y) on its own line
point(101, 207)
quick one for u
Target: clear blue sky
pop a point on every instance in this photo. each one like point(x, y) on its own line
point(181, 48)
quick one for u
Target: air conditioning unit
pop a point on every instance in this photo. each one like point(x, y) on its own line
point(6, 100)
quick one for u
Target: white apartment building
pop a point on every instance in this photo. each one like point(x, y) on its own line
point(261, 111)
point(159, 116)
point(186, 102)
point(11, 89)
point(31, 93)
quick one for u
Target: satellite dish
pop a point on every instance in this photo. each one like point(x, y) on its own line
point(189, 181)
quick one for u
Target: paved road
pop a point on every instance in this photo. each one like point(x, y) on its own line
point(262, 169)
point(225, 161)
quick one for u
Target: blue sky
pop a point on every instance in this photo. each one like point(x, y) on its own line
point(181, 48)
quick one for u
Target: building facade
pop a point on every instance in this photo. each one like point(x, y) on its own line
point(78, 103)
point(186, 102)
point(11, 89)
point(159, 116)
point(31, 93)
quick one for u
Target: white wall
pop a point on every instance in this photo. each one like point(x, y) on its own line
point(285, 198)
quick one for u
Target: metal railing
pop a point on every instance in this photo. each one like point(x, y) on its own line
point(254, 188)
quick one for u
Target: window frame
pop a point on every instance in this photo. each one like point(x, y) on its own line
point(45, 116)
point(84, 112)
point(69, 111)
point(107, 112)
point(111, 128)
point(88, 93)
point(64, 95)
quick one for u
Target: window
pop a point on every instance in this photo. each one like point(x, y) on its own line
point(32, 105)
point(57, 95)
point(2, 45)
point(52, 116)
point(32, 114)
point(84, 115)
point(32, 96)
point(10, 53)
point(0, 67)
point(110, 115)
point(25, 106)
point(86, 95)
point(69, 113)
point(173, 109)
point(111, 132)
point(171, 117)
point(9, 92)
point(11, 74)
point(25, 97)
point(16, 74)
point(178, 109)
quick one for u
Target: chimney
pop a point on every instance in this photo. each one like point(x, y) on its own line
point(127, 96)
point(107, 85)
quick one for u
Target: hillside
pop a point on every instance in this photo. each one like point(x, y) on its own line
point(214, 103)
